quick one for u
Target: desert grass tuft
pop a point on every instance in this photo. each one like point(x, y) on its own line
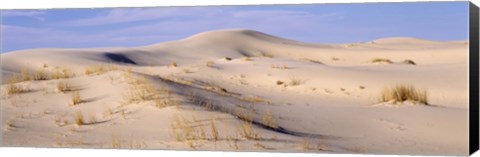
point(381, 60)
point(63, 87)
point(79, 118)
point(42, 74)
point(15, 89)
point(76, 99)
point(408, 61)
point(401, 93)
point(269, 120)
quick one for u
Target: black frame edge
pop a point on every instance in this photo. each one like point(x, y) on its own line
point(474, 78)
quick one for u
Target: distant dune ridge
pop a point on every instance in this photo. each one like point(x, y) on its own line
point(240, 89)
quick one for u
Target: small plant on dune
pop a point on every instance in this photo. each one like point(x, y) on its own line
point(115, 142)
point(214, 130)
point(381, 60)
point(173, 64)
point(295, 82)
point(41, 75)
point(247, 131)
point(61, 74)
point(99, 69)
point(15, 89)
point(15, 79)
point(264, 54)
point(63, 87)
point(401, 93)
point(269, 120)
point(280, 66)
point(280, 82)
point(408, 61)
point(26, 75)
point(79, 118)
point(228, 58)
point(76, 99)
point(210, 64)
point(247, 59)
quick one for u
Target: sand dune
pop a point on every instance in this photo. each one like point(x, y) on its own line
point(240, 90)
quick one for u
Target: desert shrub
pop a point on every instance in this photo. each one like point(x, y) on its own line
point(15, 89)
point(41, 75)
point(381, 60)
point(401, 93)
point(408, 61)
point(61, 74)
point(76, 98)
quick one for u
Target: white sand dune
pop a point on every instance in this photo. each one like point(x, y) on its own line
point(243, 90)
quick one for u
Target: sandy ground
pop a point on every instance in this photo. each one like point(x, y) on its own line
point(239, 90)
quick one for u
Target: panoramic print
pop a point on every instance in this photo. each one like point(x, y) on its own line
point(375, 78)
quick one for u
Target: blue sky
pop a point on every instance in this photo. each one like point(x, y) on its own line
point(320, 23)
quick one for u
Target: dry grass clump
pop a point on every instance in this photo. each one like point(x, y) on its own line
point(264, 54)
point(184, 131)
point(381, 60)
point(295, 82)
point(247, 131)
point(246, 127)
point(401, 93)
point(173, 64)
point(280, 66)
point(64, 87)
point(15, 89)
point(247, 59)
point(79, 118)
point(408, 61)
point(96, 69)
point(41, 75)
point(210, 64)
point(62, 74)
point(269, 120)
point(76, 99)
point(214, 130)
point(116, 142)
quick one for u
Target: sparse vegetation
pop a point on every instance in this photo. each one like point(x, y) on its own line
point(116, 142)
point(76, 99)
point(210, 64)
point(61, 74)
point(381, 60)
point(173, 64)
point(15, 89)
point(295, 82)
point(63, 87)
point(97, 69)
point(214, 130)
point(280, 67)
point(79, 118)
point(247, 59)
point(41, 75)
point(279, 82)
point(401, 93)
point(228, 58)
point(408, 61)
point(264, 54)
point(269, 120)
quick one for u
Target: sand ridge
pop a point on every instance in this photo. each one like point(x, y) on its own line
point(240, 90)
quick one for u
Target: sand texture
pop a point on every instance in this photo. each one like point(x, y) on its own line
point(242, 90)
